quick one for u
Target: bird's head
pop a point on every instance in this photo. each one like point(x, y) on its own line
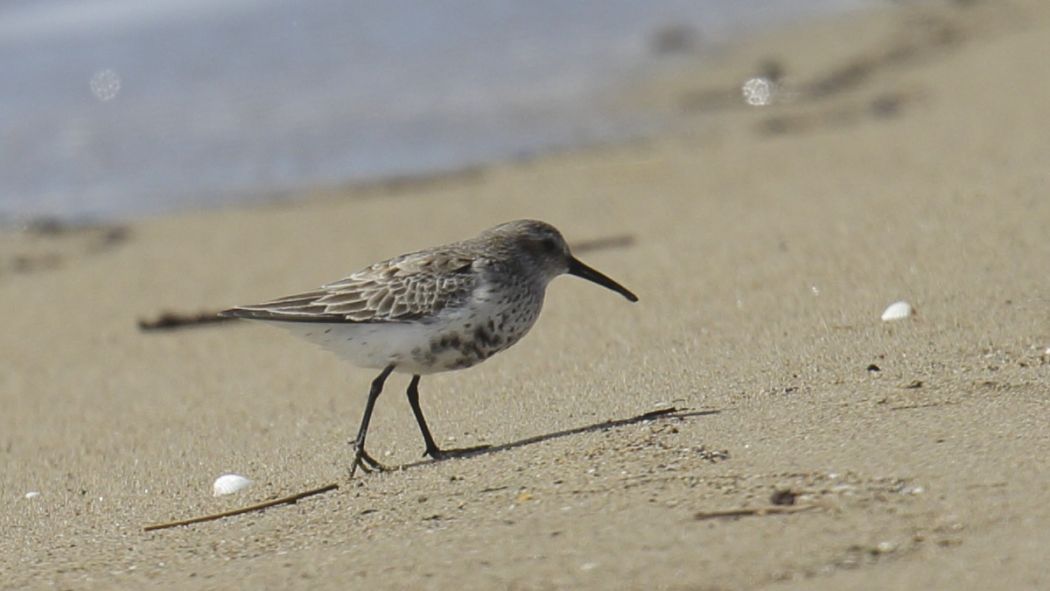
point(543, 251)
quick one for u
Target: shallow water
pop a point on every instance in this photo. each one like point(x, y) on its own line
point(118, 108)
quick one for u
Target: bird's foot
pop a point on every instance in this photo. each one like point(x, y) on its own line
point(367, 463)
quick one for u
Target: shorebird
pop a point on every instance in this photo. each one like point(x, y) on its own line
point(439, 309)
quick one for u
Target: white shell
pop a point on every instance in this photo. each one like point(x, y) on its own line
point(758, 92)
point(897, 311)
point(227, 484)
point(32, 494)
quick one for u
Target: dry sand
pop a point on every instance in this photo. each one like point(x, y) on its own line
point(910, 160)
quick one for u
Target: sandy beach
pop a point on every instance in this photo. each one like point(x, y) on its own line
point(906, 156)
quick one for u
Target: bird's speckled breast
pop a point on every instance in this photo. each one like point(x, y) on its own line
point(496, 319)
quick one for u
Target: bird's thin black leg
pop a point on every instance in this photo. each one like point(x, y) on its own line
point(361, 457)
point(413, 400)
point(432, 449)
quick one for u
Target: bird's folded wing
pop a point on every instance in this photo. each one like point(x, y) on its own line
point(411, 287)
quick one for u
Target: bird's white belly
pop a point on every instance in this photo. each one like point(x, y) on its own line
point(454, 341)
point(365, 345)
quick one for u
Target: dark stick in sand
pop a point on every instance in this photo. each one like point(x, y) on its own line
point(175, 320)
point(291, 499)
point(756, 512)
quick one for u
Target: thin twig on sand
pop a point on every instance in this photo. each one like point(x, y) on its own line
point(617, 241)
point(176, 320)
point(291, 499)
point(755, 512)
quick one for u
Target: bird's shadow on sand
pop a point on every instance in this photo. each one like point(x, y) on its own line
point(662, 414)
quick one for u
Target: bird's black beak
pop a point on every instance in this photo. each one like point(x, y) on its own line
point(581, 270)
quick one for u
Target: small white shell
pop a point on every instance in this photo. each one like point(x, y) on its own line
point(227, 484)
point(32, 494)
point(897, 311)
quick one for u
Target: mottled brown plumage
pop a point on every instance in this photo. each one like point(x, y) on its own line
point(410, 287)
point(439, 309)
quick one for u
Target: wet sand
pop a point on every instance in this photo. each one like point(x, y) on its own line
point(813, 446)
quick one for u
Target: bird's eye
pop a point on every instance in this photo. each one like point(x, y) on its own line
point(549, 245)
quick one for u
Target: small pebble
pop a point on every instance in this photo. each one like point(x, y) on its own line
point(783, 496)
point(897, 311)
point(227, 484)
point(32, 494)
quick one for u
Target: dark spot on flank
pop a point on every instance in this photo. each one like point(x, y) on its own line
point(461, 363)
point(451, 341)
point(486, 339)
point(471, 349)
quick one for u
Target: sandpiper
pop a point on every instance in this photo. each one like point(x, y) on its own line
point(439, 309)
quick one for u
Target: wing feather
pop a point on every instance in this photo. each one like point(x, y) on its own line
point(410, 287)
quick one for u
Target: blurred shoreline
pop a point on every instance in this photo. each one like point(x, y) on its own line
point(126, 112)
